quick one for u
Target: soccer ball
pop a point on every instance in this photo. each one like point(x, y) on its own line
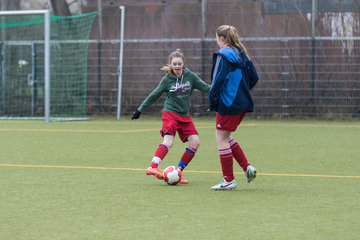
point(172, 175)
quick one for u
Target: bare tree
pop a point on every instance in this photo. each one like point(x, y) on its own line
point(60, 7)
point(9, 5)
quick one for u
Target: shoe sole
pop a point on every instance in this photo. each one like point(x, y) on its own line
point(224, 189)
point(250, 176)
point(183, 182)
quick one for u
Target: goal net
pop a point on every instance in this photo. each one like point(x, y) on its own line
point(43, 68)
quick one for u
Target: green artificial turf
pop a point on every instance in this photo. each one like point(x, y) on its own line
point(86, 180)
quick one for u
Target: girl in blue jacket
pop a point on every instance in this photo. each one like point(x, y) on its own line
point(233, 76)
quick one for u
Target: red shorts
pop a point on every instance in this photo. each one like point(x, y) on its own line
point(229, 122)
point(172, 123)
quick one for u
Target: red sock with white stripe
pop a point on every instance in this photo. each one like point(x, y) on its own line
point(159, 155)
point(226, 160)
point(238, 154)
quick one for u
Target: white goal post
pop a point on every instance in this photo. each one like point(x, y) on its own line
point(121, 56)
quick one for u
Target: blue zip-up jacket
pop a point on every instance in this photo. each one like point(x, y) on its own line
point(230, 89)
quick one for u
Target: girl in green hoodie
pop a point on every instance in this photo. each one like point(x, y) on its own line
point(178, 84)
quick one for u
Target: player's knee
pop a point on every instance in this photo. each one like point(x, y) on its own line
point(222, 136)
point(195, 144)
point(168, 143)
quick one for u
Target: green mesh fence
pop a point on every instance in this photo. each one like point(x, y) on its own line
point(22, 87)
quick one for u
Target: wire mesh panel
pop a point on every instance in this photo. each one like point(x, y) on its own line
point(294, 82)
point(289, 84)
point(18, 91)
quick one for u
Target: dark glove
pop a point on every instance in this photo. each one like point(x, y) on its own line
point(136, 114)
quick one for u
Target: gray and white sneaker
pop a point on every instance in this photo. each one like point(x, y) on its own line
point(250, 173)
point(224, 185)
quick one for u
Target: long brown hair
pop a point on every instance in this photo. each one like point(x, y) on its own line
point(176, 54)
point(231, 36)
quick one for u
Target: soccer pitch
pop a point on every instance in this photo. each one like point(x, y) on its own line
point(86, 180)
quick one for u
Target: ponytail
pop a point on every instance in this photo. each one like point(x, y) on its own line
point(231, 36)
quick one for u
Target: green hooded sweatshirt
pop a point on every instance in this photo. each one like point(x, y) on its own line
point(178, 90)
